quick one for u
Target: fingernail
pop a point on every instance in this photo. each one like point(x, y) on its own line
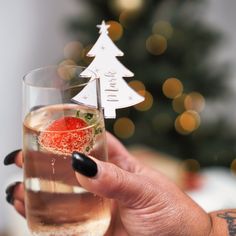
point(10, 188)
point(10, 158)
point(10, 199)
point(83, 164)
point(9, 191)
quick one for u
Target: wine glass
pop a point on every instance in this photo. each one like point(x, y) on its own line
point(54, 126)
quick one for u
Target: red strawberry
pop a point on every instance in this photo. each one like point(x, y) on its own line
point(66, 135)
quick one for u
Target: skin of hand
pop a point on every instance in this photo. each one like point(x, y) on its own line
point(146, 202)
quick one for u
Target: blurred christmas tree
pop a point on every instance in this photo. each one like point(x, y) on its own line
point(167, 46)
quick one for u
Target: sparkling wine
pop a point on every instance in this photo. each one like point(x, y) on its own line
point(56, 205)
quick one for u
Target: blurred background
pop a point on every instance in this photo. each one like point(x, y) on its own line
point(183, 56)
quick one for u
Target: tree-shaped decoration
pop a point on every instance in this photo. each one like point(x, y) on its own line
point(114, 92)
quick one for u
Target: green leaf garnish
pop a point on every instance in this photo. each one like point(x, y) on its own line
point(98, 130)
point(78, 114)
point(88, 116)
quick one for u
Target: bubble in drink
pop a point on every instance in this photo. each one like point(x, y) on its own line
point(56, 205)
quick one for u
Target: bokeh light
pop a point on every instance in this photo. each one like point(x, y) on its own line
point(73, 50)
point(146, 104)
point(156, 44)
point(172, 88)
point(66, 72)
point(84, 56)
point(129, 5)
point(126, 18)
point(163, 28)
point(233, 167)
point(178, 103)
point(178, 126)
point(187, 122)
point(194, 101)
point(138, 86)
point(191, 165)
point(124, 128)
point(115, 30)
point(67, 62)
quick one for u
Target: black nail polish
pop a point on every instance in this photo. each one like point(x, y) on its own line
point(10, 199)
point(83, 164)
point(9, 192)
point(10, 188)
point(10, 158)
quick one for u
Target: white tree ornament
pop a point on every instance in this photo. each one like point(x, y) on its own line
point(114, 92)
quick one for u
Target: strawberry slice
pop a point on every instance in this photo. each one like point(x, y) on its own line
point(65, 135)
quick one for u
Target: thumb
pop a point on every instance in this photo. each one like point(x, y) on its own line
point(108, 180)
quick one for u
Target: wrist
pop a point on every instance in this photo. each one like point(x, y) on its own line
point(223, 223)
point(196, 222)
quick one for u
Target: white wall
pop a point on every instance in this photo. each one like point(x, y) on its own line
point(221, 15)
point(32, 34)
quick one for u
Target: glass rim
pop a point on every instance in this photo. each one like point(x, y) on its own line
point(31, 72)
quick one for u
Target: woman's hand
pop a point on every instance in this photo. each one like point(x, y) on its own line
point(147, 202)
point(15, 191)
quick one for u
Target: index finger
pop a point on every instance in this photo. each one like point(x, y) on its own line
point(14, 157)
